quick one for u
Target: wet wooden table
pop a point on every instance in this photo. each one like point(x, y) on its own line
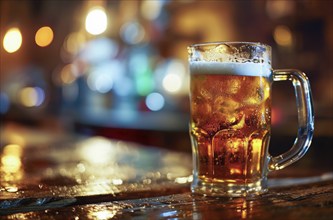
point(50, 176)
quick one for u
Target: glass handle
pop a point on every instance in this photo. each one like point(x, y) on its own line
point(305, 118)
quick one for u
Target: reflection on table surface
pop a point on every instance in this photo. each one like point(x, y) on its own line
point(85, 166)
point(45, 175)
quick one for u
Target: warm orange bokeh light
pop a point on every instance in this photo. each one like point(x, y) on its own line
point(44, 36)
point(283, 35)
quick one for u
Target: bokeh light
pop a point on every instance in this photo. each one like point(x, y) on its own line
point(68, 74)
point(102, 83)
point(172, 82)
point(32, 96)
point(279, 9)
point(283, 35)
point(74, 42)
point(144, 83)
point(11, 158)
point(132, 32)
point(97, 150)
point(173, 76)
point(12, 40)
point(125, 87)
point(151, 9)
point(139, 65)
point(96, 21)
point(99, 50)
point(4, 103)
point(101, 78)
point(155, 101)
point(44, 36)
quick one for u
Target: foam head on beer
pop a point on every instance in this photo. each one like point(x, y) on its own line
point(230, 68)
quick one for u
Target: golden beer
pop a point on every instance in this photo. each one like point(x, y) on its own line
point(230, 126)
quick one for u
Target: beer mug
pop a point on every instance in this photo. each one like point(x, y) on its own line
point(230, 125)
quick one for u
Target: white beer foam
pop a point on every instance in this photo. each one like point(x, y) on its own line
point(231, 68)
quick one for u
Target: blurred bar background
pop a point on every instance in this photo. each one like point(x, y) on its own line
point(119, 68)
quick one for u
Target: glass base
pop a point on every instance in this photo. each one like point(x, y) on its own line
point(218, 189)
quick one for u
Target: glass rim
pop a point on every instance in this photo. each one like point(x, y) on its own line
point(229, 43)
